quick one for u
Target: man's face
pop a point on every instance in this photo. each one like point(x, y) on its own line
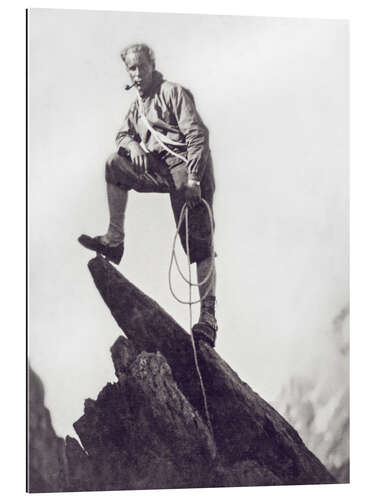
point(140, 69)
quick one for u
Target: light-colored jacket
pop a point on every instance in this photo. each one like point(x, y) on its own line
point(170, 110)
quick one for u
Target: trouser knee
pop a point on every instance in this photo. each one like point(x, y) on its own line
point(117, 171)
point(110, 169)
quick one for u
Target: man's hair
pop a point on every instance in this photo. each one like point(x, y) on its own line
point(140, 48)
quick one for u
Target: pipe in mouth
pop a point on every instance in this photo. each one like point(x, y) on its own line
point(128, 87)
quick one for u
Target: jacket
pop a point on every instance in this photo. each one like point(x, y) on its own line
point(170, 110)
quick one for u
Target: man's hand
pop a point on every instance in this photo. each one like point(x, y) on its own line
point(192, 193)
point(139, 158)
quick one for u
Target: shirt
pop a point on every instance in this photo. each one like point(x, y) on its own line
point(170, 110)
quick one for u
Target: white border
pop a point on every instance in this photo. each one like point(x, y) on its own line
point(360, 14)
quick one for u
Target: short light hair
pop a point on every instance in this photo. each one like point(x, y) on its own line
point(140, 48)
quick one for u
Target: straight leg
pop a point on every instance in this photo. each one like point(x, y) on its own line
point(206, 327)
point(203, 267)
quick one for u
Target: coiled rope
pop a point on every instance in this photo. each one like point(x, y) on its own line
point(184, 214)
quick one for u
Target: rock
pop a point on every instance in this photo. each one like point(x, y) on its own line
point(47, 465)
point(149, 429)
point(142, 432)
point(80, 473)
point(157, 405)
point(123, 354)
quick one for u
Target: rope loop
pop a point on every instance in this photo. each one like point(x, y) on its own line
point(184, 215)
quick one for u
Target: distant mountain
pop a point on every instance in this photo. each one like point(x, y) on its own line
point(318, 406)
point(47, 465)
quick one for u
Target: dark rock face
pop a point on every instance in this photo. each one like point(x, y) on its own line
point(148, 430)
point(46, 452)
point(143, 433)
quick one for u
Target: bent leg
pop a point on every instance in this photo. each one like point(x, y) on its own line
point(121, 178)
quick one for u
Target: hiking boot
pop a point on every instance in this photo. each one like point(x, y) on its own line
point(206, 327)
point(112, 253)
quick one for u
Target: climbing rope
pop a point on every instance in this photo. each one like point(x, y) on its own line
point(185, 215)
point(162, 140)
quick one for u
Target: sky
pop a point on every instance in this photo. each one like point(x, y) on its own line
point(274, 95)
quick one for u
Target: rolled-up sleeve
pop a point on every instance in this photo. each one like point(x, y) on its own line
point(193, 129)
point(127, 132)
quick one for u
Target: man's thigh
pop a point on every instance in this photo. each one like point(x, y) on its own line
point(120, 171)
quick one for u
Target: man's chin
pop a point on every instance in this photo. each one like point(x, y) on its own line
point(142, 90)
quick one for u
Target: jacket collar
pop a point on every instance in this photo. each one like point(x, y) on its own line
point(157, 80)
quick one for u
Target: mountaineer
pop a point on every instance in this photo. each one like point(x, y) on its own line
point(163, 147)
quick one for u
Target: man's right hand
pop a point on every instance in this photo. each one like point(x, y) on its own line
point(139, 158)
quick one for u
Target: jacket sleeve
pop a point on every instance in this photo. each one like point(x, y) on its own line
point(127, 132)
point(193, 129)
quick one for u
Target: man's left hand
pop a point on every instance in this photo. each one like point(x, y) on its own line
point(192, 194)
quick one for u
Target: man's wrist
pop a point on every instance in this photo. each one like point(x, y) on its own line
point(193, 179)
point(193, 182)
point(131, 144)
point(125, 150)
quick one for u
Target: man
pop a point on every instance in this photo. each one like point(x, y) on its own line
point(163, 148)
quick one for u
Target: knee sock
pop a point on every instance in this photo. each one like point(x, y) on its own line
point(209, 287)
point(117, 200)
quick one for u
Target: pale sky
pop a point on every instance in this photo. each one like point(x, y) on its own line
point(274, 95)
